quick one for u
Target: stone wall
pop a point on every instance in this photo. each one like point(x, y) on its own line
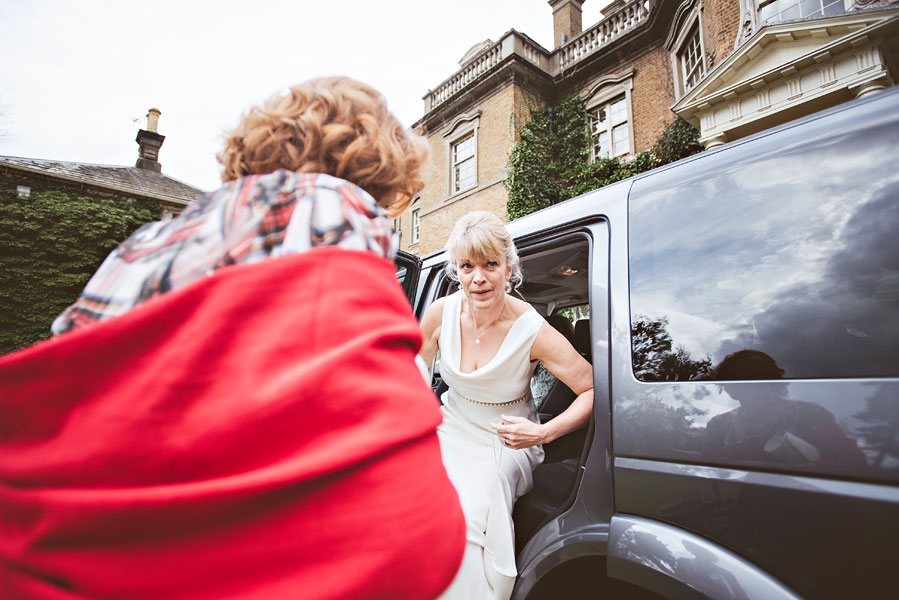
point(503, 113)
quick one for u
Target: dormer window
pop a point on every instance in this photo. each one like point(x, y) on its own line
point(780, 11)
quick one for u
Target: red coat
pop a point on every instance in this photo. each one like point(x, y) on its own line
point(260, 433)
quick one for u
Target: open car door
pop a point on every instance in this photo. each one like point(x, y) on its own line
point(408, 268)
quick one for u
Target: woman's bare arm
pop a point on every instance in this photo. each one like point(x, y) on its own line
point(562, 360)
point(430, 330)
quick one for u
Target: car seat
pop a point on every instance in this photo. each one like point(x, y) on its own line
point(555, 478)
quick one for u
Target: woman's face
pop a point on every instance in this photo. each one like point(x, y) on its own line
point(483, 281)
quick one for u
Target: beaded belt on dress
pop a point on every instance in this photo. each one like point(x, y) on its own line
point(473, 401)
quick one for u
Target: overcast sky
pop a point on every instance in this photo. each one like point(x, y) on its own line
point(77, 78)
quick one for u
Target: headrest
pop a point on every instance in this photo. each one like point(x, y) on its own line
point(563, 325)
point(582, 338)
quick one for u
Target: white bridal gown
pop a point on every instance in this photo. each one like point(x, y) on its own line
point(488, 476)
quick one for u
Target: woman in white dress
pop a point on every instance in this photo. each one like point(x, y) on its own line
point(490, 438)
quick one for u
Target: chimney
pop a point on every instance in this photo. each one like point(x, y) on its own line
point(566, 20)
point(150, 141)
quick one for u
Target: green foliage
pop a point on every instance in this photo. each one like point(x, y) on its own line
point(532, 178)
point(678, 140)
point(657, 359)
point(50, 245)
point(551, 161)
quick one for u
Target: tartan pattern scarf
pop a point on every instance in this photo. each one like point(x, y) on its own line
point(245, 221)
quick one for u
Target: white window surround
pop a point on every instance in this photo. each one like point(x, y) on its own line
point(603, 95)
point(415, 224)
point(459, 131)
point(610, 129)
point(687, 56)
point(463, 164)
point(692, 57)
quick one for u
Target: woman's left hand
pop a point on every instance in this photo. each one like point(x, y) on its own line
point(518, 433)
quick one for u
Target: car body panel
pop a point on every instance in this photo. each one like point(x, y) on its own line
point(678, 564)
point(815, 519)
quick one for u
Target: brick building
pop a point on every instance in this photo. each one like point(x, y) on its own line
point(730, 67)
point(143, 181)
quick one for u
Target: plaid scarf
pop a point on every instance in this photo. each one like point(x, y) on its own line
point(245, 221)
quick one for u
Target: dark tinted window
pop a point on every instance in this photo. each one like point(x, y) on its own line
point(787, 246)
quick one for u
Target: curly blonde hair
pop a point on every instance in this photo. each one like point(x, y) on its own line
point(331, 125)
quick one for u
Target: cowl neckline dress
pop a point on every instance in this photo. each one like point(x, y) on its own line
point(488, 476)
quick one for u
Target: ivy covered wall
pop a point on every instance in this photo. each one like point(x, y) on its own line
point(551, 161)
point(50, 245)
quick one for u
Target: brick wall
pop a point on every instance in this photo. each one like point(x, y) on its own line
point(720, 24)
point(653, 93)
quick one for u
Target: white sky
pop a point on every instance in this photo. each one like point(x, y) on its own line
point(77, 78)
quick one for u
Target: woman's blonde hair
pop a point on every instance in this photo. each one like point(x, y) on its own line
point(480, 235)
point(331, 125)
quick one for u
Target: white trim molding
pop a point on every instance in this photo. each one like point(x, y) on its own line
point(687, 17)
point(609, 88)
point(789, 69)
point(461, 128)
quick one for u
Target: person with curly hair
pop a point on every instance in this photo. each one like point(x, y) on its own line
point(232, 407)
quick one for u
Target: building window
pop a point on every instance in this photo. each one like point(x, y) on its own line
point(23, 192)
point(609, 129)
point(464, 173)
point(416, 225)
point(779, 11)
point(690, 59)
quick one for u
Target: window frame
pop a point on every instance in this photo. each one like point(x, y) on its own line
point(692, 42)
point(459, 131)
point(604, 95)
point(758, 5)
point(678, 46)
point(415, 223)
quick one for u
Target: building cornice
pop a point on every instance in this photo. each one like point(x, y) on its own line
point(788, 64)
point(628, 18)
point(834, 32)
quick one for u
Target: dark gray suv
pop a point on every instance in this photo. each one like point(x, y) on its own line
point(741, 312)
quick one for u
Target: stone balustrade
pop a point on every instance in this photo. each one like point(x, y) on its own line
point(511, 43)
point(604, 32)
point(629, 16)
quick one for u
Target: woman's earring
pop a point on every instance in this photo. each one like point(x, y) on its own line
point(508, 285)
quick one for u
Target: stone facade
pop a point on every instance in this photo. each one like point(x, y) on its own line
point(712, 62)
point(500, 116)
